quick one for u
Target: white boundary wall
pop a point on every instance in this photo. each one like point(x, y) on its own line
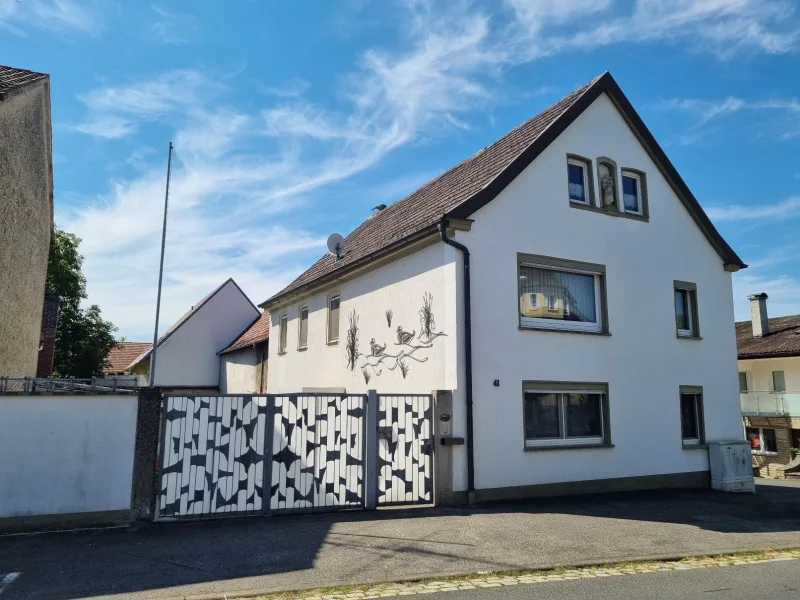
point(66, 454)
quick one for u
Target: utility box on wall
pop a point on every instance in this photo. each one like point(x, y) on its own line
point(731, 466)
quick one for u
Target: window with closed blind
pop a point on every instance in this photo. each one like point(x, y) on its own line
point(333, 319)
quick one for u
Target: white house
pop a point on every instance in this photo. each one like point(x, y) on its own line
point(188, 352)
point(769, 385)
point(591, 346)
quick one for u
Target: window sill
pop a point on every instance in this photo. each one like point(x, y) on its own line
point(695, 446)
point(282, 353)
point(761, 453)
point(332, 343)
point(566, 447)
point(611, 212)
point(303, 349)
point(696, 338)
point(557, 330)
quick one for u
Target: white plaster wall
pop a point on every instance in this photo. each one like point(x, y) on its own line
point(398, 286)
point(66, 454)
point(642, 361)
point(238, 373)
point(759, 373)
point(189, 356)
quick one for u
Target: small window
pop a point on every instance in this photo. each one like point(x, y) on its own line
point(632, 193)
point(578, 181)
point(692, 417)
point(778, 381)
point(686, 321)
point(333, 319)
point(762, 440)
point(302, 342)
point(742, 381)
point(283, 331)
point(796, 439)
point(560, 298)
point(558, 416)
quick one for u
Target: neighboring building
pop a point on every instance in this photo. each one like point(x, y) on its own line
point(26, 226)
point(187, 356)
point(244, 361)
point(122, 355)
point(769, 385)
point(618, 384)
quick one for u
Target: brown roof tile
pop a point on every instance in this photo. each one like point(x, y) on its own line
point(120, 358)
point(12, 79)
point(460, 191)
point(783, 339)
point(257, 332)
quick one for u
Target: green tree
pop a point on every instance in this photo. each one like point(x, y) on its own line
point(83, 337)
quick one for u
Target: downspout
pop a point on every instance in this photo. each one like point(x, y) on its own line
point(468, 358)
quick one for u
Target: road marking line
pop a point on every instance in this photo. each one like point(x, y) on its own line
point(7, 580)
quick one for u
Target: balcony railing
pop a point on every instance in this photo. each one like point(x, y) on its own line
point(784, 404)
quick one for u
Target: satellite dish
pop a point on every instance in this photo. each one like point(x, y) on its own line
point(336, 245)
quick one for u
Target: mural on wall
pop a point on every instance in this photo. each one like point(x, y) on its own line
point(318, 456)
point(407, 344)
point(213, 455)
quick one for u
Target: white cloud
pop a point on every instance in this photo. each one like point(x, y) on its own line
point(50, 15)
point(106, 126)
point(174, 28)
point(789, 208)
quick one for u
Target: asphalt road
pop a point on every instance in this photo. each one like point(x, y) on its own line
point(766, 581)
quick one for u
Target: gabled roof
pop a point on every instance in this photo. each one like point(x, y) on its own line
point(783, 339)
point(121, 355)
point(257, 332)
point(184, 318)
point(474, 182)
point(13, 80)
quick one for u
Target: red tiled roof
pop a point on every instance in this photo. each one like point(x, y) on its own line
point(463, 189)
point(12, 79)
point(120, 358)
point(257, 332)
point(783, 339)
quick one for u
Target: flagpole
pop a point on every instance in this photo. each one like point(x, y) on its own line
point(160, 273)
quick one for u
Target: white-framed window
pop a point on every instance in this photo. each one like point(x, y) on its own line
point(282, 334)
point(762, 440)
point(632, 193)
point(578, 178)
point(560, 294)
point(564, 415)
point(692, 427)
point(686, 317)
point(333, 318)
point(302, 333)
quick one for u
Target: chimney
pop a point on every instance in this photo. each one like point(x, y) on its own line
point(758, 314)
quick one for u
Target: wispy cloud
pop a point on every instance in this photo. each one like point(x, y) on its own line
point(115, 111)
point(789, 208)
point(293, 89)
point(783, 291)
point(173, 28)
point(50, 15)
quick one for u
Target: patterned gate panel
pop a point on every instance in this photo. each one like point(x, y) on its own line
point(212, 455)
point(405, 449)
point(318, 452)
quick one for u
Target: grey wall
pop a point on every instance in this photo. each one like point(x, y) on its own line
point(244, 371)
point(26, 198)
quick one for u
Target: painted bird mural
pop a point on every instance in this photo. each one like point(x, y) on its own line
point(403, 337)
point(376, 348)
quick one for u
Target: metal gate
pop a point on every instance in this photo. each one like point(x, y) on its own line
point(212, 456)
point(310, 451)
point(318, 452)
point(405, 449)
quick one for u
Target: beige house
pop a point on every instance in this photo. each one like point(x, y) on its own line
point(769, 386)
point(26, 197)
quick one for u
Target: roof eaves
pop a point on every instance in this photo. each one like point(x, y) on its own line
point(356, 264)
point(761, 355)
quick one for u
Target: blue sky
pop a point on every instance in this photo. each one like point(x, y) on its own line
point(291, 120)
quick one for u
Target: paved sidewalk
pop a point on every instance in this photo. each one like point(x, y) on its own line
point(306, 551)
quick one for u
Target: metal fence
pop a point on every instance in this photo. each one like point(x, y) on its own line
point(72, 385)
